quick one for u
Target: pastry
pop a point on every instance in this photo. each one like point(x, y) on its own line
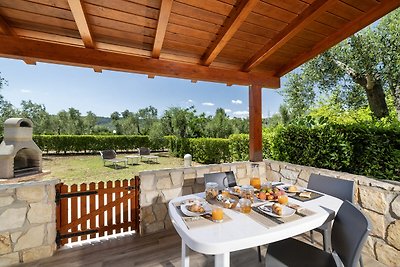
point(305, 194)
point(292, 189)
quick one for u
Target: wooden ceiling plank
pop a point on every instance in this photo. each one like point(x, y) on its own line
point(350, 28)
point(5, 28)
point(64, 54)
point(81, 22)
point(228, 29)
point(298, 24)
point(165, 12)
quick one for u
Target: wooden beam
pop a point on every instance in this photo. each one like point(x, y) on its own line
point(30, 61)
point(235, 19)
point(79, 56)
point(255, 121)
point(5, 28)
point(97, 69)
point(163, 18)
point(151, 76)
point(312, 12)
point(81, 22)
point(350, 28)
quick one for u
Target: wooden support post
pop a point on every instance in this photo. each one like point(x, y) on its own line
point(255, 120)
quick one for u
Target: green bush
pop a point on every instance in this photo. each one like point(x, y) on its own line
point(239, 147)
point(90, 143)
point(209, 150)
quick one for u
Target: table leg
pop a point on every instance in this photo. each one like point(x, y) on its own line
point(185, 255)
point(222, 260)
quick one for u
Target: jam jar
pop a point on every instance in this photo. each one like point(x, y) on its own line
point(248, 192)
point(211, 190)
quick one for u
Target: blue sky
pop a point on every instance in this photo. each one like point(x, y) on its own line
point(60, 87)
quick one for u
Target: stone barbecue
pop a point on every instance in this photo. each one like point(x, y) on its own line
point(19, 155)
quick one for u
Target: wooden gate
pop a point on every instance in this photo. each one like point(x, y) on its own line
point(95, 210)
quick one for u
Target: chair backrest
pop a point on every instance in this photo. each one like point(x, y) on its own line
point(349, 233)
point(143, 151)
point(108, 154)
point(223, 179)
point(343, 189)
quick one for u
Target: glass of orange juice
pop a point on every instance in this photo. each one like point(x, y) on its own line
point(283, 199)
point(217, 214)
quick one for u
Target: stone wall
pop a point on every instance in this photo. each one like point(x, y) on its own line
point(27, 221)
point(379, 200)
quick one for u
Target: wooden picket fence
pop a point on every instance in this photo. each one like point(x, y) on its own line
point(95, 210)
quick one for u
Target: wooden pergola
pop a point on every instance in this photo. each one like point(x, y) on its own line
point(243, 42)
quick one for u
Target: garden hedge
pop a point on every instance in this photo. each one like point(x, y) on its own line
point(89, 143)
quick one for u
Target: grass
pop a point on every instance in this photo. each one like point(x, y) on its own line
point(89, 168)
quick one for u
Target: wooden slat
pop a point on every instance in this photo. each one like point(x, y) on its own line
point(93, 214)
point(83, 210)
point(255, 123)
point(74, 211)
point(63, 211)
point(109, 217)
point(118, 209)
point(163, 18)
point(81, 22)
point(101, 204)
point(228, 29)
point(132, 219)
point(298, 24)
point(57, 53)
point(350, 28)
point(137, 205)
point(124, 212)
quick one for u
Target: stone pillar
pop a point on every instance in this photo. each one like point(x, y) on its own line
point(27, 221)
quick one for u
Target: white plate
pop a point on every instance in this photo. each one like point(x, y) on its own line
point(286, 187)
point(184, 209)
point(267, 209)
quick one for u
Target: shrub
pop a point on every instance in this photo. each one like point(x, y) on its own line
point(90, 143)
point(239, 147)
point(210, 150)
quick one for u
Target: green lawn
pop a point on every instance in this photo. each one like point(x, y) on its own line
point(86, 169)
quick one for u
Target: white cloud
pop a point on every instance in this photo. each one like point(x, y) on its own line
point(25, 91)
point(227, 110)
point(241, 113)
point(237, 102)
point(208, 104)
point(190, 101)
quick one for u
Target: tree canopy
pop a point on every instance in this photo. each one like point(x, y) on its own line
point(361, 71)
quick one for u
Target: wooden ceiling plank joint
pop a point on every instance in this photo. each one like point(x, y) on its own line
point(81, 22)
point(231, 25)
point(5, 28)
point(298, 24)
point(165, 12)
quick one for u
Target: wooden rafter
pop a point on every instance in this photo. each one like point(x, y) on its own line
point(5, 28)
point(352, 27)
point(298, 24)
point(165, 11)
point(81, 22)
point(71, 55)
point(228, 29)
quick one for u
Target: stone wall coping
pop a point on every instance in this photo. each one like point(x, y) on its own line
point(363, 180)
point(30, 183)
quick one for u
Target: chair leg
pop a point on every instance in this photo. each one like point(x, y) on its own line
point(327, 241)
point(259, 253)
point(312, 236)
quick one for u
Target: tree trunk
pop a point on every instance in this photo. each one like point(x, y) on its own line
point(396, 96)
point(375, 95)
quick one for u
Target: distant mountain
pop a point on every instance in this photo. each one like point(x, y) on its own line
point(103, 120)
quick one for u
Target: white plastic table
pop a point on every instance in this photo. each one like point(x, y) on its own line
point(243, 232)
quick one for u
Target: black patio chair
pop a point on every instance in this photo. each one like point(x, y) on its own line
point(349, 233)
